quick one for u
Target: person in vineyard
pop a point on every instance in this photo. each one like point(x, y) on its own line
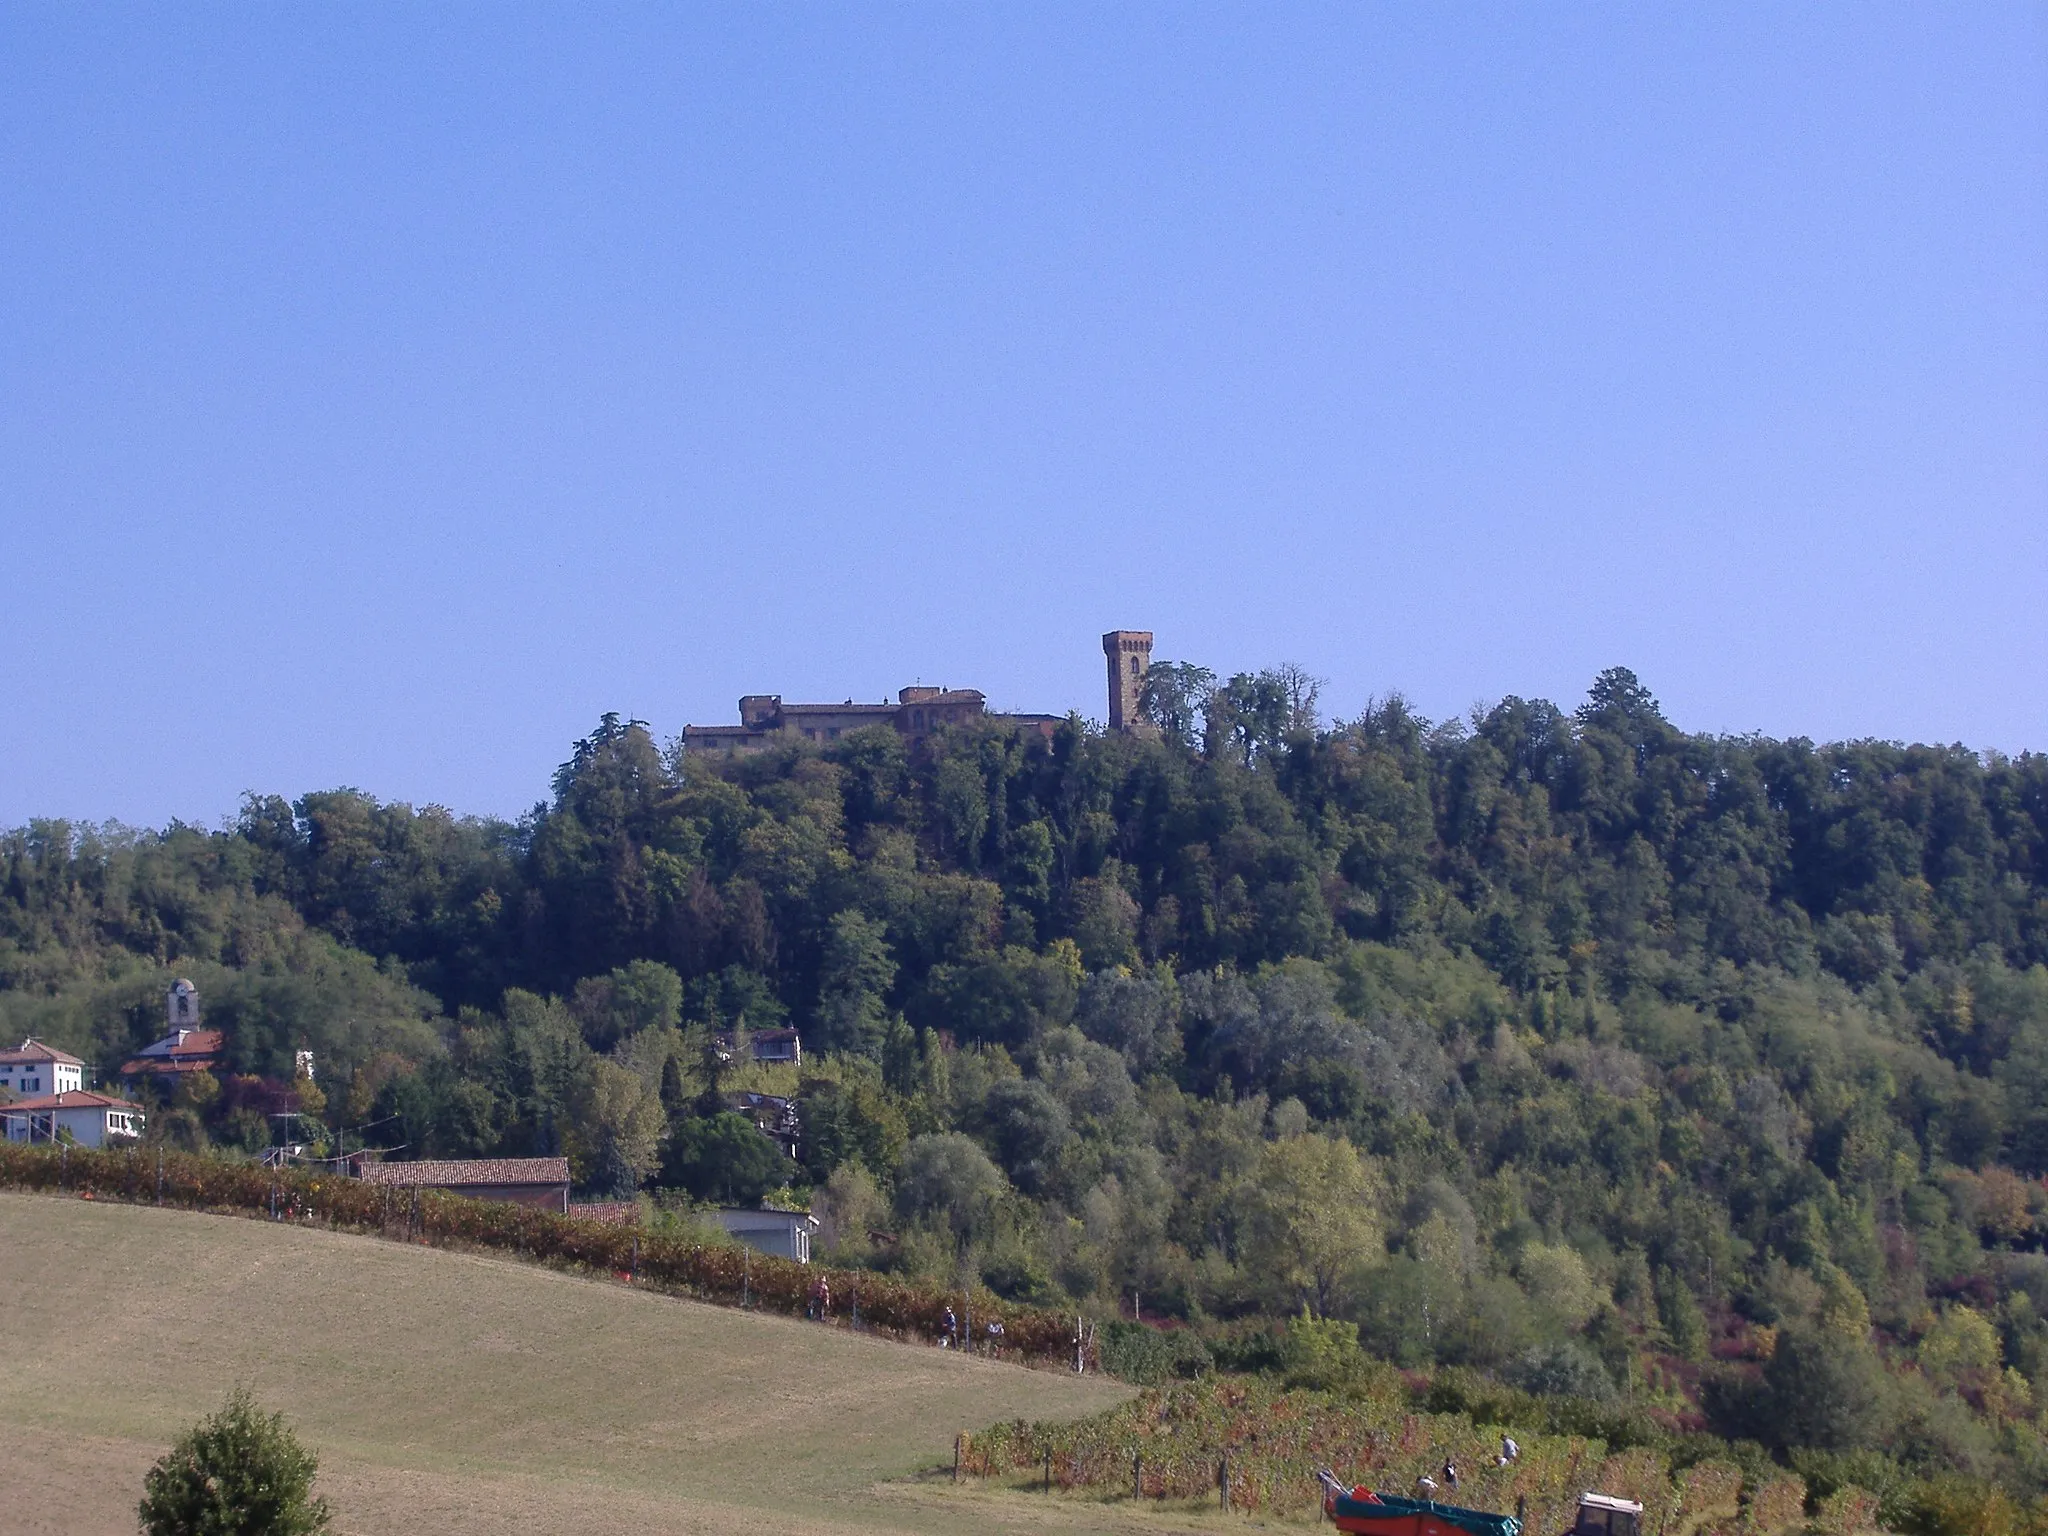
point(949, 1330)
point(1510, 1453)
point(1450, 1474)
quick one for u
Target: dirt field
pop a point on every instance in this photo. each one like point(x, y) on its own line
point(449, 1393)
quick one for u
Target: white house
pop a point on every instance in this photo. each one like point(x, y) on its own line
point(785, 1234)
point(89, 1117)
point(33, 1068)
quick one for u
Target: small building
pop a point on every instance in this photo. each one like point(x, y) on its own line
point(781, 1234)
point(774, 1116)
point(90, 1119)
point(539, 1182)
point(33, 1068)
point(778, 1047)
point(766, 1047)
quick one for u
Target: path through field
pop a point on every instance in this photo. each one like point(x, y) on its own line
point(451, 1393)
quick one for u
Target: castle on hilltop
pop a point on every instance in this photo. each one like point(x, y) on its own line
point(766, 721)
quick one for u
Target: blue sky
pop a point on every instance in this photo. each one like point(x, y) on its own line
point(385, 392)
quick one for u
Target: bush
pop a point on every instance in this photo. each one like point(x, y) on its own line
point(1149, 1356)
point(239, 1473)
point(1562, 1370)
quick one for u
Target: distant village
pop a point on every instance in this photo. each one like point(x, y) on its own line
point(44, 1097)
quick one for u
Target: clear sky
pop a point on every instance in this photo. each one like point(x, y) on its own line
point(387, 391)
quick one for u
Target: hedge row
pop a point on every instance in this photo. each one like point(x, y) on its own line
point(726, 1274)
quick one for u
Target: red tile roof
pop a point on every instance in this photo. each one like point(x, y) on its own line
point(189, 1050)
point(33, 1049)
point(455, 1175)
point(73, 1099)
point(618, 1213)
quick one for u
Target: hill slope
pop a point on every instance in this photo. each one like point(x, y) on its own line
point(450, 1392)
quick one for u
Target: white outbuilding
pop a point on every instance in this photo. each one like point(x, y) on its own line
point(90, 1118)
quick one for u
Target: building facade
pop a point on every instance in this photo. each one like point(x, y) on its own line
point(33, 1069)
point(785, 1234)
point(1129, 653)
point(89, 1119)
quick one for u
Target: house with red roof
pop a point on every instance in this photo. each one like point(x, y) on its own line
point(33, 1068)
point(90, 1119)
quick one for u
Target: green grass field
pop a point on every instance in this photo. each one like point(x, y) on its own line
point(446, 1392)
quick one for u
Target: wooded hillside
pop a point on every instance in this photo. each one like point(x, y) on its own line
point(1609, 1059)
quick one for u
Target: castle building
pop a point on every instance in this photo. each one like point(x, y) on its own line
point(766, 721)
point(1129, 653)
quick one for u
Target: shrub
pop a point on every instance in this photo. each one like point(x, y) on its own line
point(1562, 1370)
point(238, 1473)
point(1149, 1356)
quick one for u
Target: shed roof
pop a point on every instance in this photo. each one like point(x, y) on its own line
point(470, 1171)
point(72, 1099)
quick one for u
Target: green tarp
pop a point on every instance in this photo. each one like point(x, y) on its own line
point(1477, 1521)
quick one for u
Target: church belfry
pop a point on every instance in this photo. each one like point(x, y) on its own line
point(1129, 652)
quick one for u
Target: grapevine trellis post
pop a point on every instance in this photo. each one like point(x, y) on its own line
point(1138, 1475)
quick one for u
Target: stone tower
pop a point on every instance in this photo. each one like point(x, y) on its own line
point(1130, 653)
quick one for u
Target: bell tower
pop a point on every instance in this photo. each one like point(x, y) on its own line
point(1130, 653)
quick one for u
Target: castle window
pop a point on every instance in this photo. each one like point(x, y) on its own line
point(1134, 666)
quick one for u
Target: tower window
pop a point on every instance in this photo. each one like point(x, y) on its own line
point(1134, 666)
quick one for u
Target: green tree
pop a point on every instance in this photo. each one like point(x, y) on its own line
point(240, 1472)
point(949, 1180)
point(725, 1159)
point(1311, 1215)
point(1825, 1390)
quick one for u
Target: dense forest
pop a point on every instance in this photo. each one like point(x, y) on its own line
point(1708, 1074)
